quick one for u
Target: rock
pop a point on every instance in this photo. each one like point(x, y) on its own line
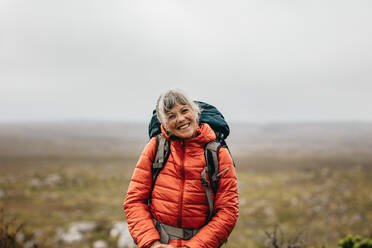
point(20, 237)
point(125, 240)
point(100, 244)
point(118, 228)
point(35, 182)
point(53, 180)
point(83, 227)
point(75, 232)
point(72, 237)
point(30, 244)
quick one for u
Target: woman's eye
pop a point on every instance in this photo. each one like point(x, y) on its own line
point(185, 111)
point(170, 117)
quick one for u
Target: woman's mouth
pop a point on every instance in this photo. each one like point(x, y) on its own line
point(183, 126)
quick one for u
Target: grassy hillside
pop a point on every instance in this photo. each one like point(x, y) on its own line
point(53, 176)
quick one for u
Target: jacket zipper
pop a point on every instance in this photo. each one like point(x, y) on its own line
point(182, 186)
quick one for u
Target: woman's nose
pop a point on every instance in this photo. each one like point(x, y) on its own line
point(180, 117)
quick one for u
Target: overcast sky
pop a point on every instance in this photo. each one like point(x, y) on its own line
point(257, 61)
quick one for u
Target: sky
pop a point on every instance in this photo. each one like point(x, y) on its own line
point(256, 61)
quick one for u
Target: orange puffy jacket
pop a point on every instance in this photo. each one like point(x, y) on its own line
point(178, 197)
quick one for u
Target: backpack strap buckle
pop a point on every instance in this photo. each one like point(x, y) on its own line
point(188, 233)
point(168, 232)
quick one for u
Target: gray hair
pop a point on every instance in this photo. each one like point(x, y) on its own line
point(168, 99)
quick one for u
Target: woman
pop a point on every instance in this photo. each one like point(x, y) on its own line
point(178, 199)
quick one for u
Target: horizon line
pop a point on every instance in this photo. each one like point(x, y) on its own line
point(87, 121)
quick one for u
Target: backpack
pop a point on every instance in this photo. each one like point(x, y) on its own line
point(209, 114)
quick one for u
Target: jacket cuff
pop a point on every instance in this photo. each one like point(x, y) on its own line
point(195, 243)
point(148, 243)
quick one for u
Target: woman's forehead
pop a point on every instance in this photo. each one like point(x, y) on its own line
point(177, 107)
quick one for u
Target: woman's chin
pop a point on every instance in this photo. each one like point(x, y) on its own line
point(184, 134)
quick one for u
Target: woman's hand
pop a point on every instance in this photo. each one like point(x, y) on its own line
point(157, 244)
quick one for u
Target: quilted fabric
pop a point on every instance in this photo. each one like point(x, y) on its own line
point(178, 198)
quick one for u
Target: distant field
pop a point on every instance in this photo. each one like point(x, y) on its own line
point(55, 175)
point(346, 140)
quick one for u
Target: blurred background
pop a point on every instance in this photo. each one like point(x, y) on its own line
point(79, 80)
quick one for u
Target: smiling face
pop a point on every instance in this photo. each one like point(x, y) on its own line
point(181, 121)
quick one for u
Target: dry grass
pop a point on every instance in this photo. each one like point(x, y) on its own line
point(326, 202)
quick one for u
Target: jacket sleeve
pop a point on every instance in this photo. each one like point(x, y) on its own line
point(226, 206)
point(139, 219)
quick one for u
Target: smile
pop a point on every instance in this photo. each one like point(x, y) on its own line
point(184, 126)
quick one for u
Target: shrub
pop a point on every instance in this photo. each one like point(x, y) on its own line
point(365, 243)
point(13, 235)
point(276, 239)
point(7, 235)
point(355, 242)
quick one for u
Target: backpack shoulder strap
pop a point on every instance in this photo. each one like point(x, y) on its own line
point(211, 157)
point(161, 157)
point(162, 152)
point(211, 151)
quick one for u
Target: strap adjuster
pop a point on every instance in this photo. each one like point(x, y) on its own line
point(203, 177)
point(187, 233)
point(204, 182)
